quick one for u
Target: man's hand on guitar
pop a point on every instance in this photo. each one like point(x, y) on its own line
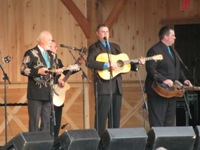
point(168, 82)
point(142, 61)
point(61, 83)
point(43, 71)
point(114, 66)
point(188, 83)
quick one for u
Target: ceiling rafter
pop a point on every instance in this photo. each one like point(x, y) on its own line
point(78, 15)
point(114, 14)
point(83, 21)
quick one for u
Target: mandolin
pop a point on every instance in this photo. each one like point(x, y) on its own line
point(43, 79)
point(176, 90)
point(123, 63)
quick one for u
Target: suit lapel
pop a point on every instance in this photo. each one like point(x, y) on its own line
point(164, 49)
point(42, 58)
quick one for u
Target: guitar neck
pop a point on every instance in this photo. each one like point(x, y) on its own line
point(64, 69)
point(74, 67)
point(67, 76)
point(192, 88)
point(137, 60)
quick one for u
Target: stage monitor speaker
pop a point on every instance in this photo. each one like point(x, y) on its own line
point(197, 142)
point(87, 139)
point(124, 139)
point(171, 138)
point(182, 116)
point(30, 141)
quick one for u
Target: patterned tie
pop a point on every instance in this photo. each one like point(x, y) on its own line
point(169, 51)
point(46, 58)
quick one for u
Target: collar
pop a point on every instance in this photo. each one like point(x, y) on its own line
point(104, 44)
point(40, 48)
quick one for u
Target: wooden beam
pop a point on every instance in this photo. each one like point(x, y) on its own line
point(115, 12)
point(78, 15)
point(178, 21)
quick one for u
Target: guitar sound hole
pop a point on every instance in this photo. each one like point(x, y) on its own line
point(120, 63)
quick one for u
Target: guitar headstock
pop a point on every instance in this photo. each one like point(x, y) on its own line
point(74, 67)
point(157, 57)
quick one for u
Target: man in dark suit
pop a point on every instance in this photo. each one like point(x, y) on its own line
point(35, 66)
point(162, 110)
point(107, 91)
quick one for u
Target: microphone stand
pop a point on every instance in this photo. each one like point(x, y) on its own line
point(194, 69)
point(53, 117)
point(110, 83)
point(51, 84)
point(187, 111)
point(144, 106)
point(5, 101)
point(83, 86)
point(96, 96)
point(183, 64)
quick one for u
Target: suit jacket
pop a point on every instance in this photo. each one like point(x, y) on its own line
point(168, 68)
point(103, 86)
point(38, 85)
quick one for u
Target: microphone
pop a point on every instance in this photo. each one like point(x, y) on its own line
point(64, 46)
point(105, 39)
point(6, 60)
point(74, 48)
point(64, 125)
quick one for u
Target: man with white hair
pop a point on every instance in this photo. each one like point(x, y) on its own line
point(35, 65)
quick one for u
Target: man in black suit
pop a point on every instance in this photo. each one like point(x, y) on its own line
point(35, 66)
point(103, 87)
point(162, 110)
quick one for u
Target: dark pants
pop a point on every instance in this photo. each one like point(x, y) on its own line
point(104, 104)
point(162, 111)
point(39, 110)
point(58, 117)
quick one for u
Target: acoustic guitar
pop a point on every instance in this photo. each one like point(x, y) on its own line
point(59, 94)
point(123, 64)
point(176, 90)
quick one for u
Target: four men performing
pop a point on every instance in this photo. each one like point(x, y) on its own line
point(108, 92)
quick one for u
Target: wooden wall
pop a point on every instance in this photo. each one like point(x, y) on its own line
point(134, 24)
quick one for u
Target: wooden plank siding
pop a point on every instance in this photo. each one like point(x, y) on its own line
point(134, 24)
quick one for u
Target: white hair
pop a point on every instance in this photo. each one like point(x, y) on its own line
point(42, 34)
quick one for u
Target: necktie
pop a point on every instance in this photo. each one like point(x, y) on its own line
point(107, 46)
point(46, 58)
point(169, 51)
